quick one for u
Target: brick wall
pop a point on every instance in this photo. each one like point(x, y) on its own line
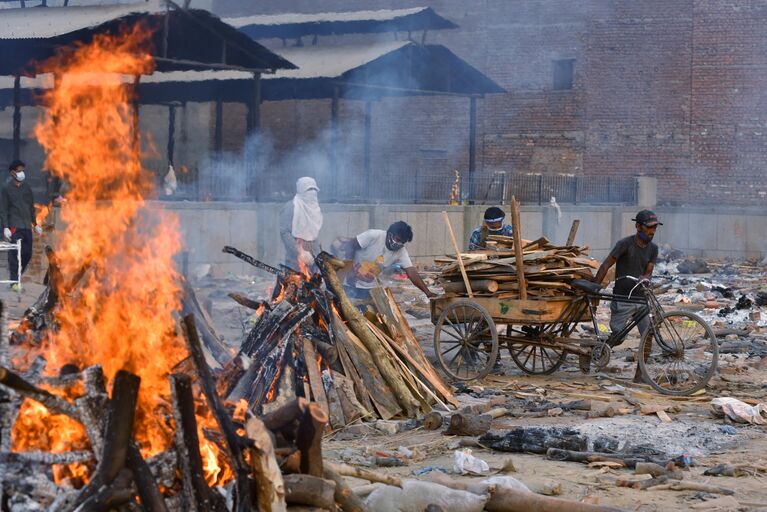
point(673, 90)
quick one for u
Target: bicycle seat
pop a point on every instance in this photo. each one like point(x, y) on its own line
point(586, 286)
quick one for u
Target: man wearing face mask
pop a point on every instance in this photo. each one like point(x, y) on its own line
point(635, 256)
point(493, 225)
point(375, 249)
point(17, 215)
point(300, 224)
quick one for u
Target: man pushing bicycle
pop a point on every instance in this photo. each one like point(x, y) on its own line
point(633, 256)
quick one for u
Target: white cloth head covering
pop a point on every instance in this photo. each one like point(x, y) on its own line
point(307, 216)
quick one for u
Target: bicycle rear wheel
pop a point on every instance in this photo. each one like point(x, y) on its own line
point(680, 355)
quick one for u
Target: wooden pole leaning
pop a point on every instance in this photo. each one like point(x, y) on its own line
point(458, 255)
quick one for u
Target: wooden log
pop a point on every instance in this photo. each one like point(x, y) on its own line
point(344, 496)
point(365, 474)
point(361, 391)
point(309, 490)
point(458, 256)
point(246, 302)
point(272, 490)
point(601, 412)
point(695, 486)
point(210, 340)
point(413, 347)
point(53, 403)
point(243, 498)
point(516, 228)
point(47, 458)
point(359, 326)
point(198, 495)
point(315, 379)
point(586, 457)
point(573, 232)
point(110, 496)
point(577, 405)
point(285, 415)
point(335, 409)
point(469, 425)
point(117, 435)
point(477, 285)
point(372, 383)
point(641, 484)
point(432, 421)
point(152, 499)
point(309, 439)
point(347, 398)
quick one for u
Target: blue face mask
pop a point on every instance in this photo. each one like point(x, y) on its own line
point(643, 237)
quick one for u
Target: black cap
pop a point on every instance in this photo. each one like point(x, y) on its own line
point(647, 218)
point(494, 214)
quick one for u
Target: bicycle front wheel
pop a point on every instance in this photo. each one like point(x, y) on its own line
point(680, 356)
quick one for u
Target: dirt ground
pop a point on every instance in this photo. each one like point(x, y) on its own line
point(693, 431)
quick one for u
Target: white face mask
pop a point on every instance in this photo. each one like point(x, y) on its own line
point(20, 176)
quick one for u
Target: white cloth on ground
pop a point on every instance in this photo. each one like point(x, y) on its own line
point(307, 215)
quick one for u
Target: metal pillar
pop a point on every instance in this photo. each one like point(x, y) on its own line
point(472, 134)
point(253, 121)
point(16, 117)
point(334, 141)
point(368, 115)
point(218, 131)
point(171, 133)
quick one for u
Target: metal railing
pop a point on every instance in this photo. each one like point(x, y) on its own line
point(243, 183)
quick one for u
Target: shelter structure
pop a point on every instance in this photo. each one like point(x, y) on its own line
point(292, 25)
point(182, 39)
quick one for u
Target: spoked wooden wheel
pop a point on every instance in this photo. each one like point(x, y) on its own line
point(533, 359)
point(465, 341)
point(680, 356)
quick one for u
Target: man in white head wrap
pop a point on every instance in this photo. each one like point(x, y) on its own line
point(300, 223)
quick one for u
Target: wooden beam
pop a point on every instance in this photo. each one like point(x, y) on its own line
point(466, 281)
point(573, 232)
point(515, 226)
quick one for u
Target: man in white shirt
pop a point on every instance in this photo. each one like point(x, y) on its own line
point(376, 249)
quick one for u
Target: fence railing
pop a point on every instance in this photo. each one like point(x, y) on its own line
point(225, 183)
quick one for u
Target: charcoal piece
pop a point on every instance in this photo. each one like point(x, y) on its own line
point(535, 439)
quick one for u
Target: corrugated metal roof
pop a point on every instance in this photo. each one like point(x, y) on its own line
point(41, 23)
point(331, 61)
point(289, 25)
point(322, 17)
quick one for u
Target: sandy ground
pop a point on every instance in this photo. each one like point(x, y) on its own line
point(693, 430)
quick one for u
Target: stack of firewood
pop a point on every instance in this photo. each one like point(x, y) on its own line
point(548, 269)
point(310, 341)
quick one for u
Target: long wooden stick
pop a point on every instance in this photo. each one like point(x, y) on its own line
point(515, 226)
point(458, 255)
point(365, 474)
point(573, 232)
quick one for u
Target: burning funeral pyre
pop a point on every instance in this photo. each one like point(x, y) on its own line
point(107, 397)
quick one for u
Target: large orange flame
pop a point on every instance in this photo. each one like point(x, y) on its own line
point(120, 314)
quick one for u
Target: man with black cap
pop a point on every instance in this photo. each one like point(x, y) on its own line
point(375, 249)
point(493, 225)
point(635, 256)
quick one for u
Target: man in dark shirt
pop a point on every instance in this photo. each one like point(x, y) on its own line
point(17, 216)
point(635, 256)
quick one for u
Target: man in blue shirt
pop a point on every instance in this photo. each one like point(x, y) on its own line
point(493, 225)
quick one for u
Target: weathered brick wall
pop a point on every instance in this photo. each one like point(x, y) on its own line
point(673, 90)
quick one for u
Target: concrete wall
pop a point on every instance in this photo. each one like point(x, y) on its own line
point(252, 227)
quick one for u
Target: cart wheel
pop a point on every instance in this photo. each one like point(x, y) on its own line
point(533, 359)
point(680, 355)
point(465, 341)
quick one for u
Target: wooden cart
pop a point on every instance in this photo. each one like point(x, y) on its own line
point(537, 333)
